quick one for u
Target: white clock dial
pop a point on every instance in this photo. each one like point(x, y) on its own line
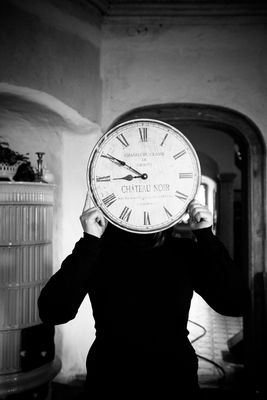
point(142, 174)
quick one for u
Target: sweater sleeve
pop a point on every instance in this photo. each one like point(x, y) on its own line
point(216, 277)
point(64, 292)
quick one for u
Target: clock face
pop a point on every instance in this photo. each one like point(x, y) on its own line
point(142, 174)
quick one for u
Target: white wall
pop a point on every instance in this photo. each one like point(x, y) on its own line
point(50, 101)
point(217, 63)
point(34, 121)
point(75, 337)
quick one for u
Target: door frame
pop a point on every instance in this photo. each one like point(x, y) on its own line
point(244, 132)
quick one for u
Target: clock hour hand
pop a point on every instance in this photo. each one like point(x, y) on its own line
point(123, 164)
point(131, 177)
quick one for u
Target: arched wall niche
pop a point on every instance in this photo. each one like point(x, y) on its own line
point(31, 121)
point(246, 134)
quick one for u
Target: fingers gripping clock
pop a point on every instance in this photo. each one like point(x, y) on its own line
point(142, 174)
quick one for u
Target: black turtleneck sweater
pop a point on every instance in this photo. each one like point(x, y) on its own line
point(140, 293)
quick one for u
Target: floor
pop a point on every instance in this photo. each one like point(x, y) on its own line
point(209, 333)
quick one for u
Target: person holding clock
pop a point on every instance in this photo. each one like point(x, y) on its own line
point(140, 288)
point(143, 176)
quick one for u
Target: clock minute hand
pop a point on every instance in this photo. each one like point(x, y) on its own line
point(123, 163)
point(113, 159)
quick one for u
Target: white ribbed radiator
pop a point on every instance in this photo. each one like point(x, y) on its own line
point(26, 232)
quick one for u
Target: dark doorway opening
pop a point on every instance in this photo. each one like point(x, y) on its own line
point(249, 213)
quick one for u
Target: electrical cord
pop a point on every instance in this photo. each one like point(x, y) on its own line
point(200, 326)
point(219, 367)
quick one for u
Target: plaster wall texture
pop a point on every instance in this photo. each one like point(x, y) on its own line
point(50, 101)
point(217, 63)
point(37, 53)
point(67, 140)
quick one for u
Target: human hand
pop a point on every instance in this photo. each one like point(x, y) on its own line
point(92, 219)
point(199, 215)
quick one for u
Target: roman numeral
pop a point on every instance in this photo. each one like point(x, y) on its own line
point(185, 175)
point(165, 137)
point(181, 195)
point(180, 154)
point(169, 215)
point(110, 199)
point(123, 140)
point(146, 218)
point(143, 134)
point(125, 214)
point(103, 178)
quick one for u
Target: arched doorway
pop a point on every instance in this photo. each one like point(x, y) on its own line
point(247, 136)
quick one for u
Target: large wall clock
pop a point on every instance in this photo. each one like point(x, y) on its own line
point(142, 174)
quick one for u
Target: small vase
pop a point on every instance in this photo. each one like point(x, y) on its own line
point(48, 177)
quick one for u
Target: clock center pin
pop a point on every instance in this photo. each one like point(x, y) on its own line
point(144, 176)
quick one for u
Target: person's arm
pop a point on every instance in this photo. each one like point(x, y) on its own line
point(63, 294)
point(216, 277)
